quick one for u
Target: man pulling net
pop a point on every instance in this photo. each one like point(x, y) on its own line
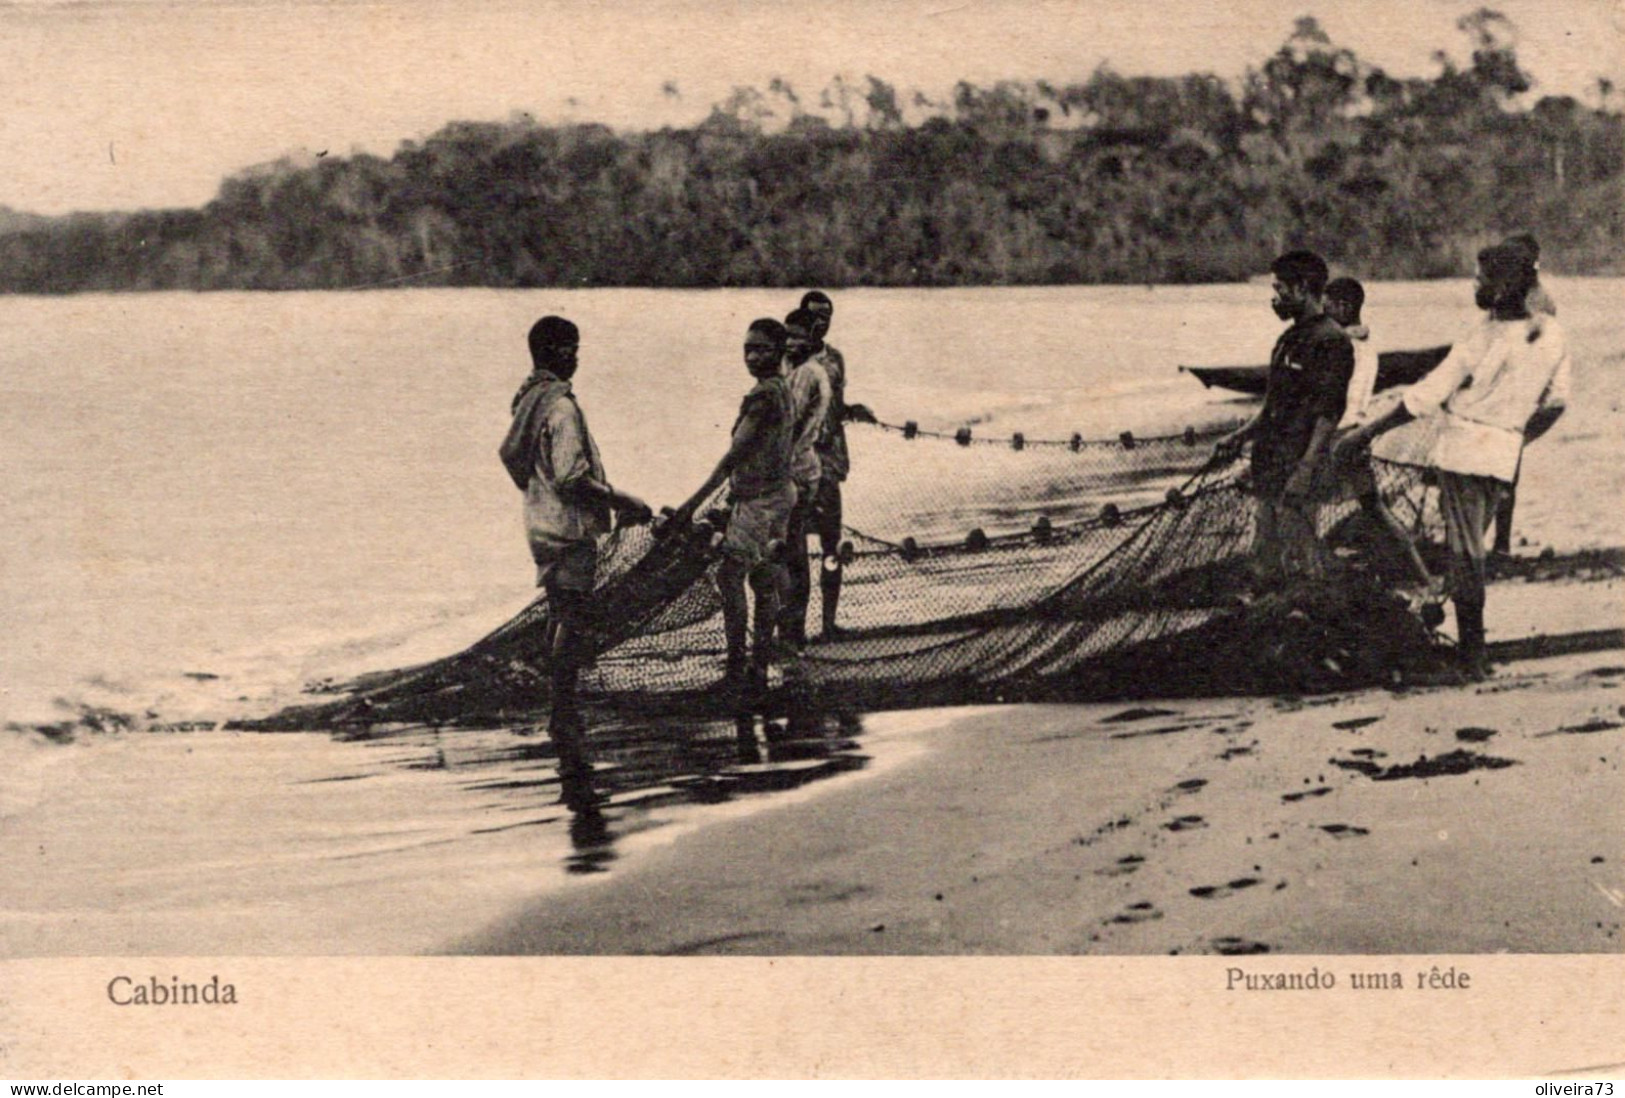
point(1504, 383)
point(569, 504)
point(761, 495)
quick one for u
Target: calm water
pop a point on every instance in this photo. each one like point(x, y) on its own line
point(213, 498)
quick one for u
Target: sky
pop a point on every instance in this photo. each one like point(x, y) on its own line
point(127, 104)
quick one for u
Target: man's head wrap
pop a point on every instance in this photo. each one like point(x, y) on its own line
point(1509, 265)
point(1528, 243)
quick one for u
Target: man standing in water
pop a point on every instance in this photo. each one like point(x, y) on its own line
point(1309, 375)
point(552, 458)
point(757, 468)
point(809, 405)
point(833, 460)
point(1345, 298)
point(1506, 382)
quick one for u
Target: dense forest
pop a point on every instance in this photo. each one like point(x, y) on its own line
point(1112, 179)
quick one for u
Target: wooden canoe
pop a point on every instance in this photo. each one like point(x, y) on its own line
point(1393, 368)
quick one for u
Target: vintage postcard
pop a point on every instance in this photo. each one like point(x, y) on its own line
point(913, 539)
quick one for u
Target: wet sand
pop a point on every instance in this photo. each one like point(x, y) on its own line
point(1444, 820)
point(251, 844)
point(1433, 821)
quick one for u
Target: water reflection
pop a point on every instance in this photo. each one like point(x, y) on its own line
point(628, 775)
point(592, 841)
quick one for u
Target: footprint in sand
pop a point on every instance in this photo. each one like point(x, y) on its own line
point(1218, 892)
point(1137, 913)
point(1125, 865)
point(1354, 722)
point(1103, 830)
point(1581, 729)
point(1238, 947)
point(1344, 831)
point(1453, 762)
point(824, 892)
point(1160, 730)
point(1138, 714)
point(1319, 791)
point(1184, 823)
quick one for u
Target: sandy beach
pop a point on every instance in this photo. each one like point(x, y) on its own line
point(1433, 821)
point(1031, 881)
point(1442, 820)
point(1054, 783)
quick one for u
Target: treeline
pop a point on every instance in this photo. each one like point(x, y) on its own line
point(1113, 179)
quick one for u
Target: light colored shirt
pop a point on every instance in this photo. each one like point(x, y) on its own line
point(833, 459)
point(1363, 382)
point(809, 404)
point(548, 452)
point(1487, 389)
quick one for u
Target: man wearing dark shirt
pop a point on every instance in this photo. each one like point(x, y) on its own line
point(761, 493)
point(1309, 375)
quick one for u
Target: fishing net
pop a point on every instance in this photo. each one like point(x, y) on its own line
point(974, 568)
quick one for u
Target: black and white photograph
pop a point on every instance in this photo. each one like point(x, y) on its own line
point(1139, 484)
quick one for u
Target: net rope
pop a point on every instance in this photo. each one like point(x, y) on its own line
point(972, 568)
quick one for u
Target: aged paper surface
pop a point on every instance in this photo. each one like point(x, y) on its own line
point(810, 1018)
point(302, 1014)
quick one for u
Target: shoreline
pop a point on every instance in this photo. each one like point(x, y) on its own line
point(1247, 826)
point(135, 843)
point(1371, 822)
point(1214, 825)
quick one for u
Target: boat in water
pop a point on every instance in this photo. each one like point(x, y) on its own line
point(1394, 368)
